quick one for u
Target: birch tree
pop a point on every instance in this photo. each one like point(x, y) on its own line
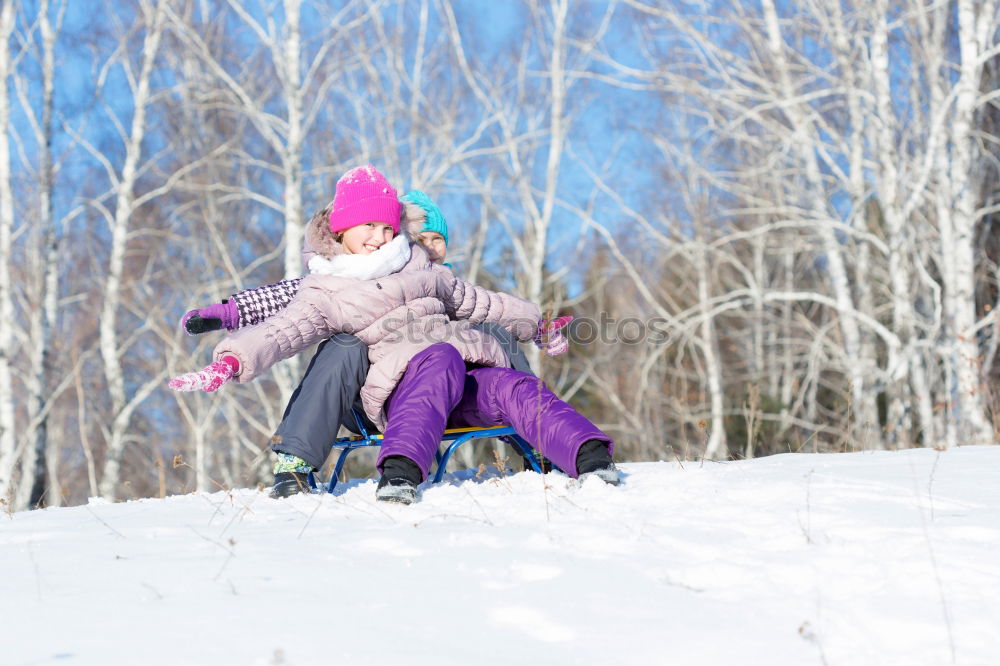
point(285, 135)
point(977, 38)
point(805, 135)
point(283, 120)
point(534, 121)
point(814, 92)
point(7, 423)
point(119, 219)
point(42, 454)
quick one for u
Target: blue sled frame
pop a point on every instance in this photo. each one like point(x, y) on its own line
point(456, 437)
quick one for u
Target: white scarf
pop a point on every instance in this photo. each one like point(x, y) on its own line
point(384, 261)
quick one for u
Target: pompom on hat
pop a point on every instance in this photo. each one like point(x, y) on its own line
point(364, 195)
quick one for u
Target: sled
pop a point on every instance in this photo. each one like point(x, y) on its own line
point(453, 437)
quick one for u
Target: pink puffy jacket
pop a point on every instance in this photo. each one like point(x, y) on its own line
point(397, 316)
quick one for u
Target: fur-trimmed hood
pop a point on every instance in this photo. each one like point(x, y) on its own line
point(319, 240)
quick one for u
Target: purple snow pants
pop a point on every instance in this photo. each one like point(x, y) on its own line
point(437, 391)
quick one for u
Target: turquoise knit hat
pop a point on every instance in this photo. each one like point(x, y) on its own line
point(435, 220)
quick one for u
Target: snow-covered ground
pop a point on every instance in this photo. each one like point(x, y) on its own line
point(866, 558)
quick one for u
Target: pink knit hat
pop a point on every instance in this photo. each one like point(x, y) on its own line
point(364, 195)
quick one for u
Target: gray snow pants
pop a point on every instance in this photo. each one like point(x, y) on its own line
point(331, 387)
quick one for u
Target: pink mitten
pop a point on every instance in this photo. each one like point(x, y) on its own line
point(549, 339)
point(208, 380)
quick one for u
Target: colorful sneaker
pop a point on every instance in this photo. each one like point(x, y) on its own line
point(290, 483)
point(291, 476)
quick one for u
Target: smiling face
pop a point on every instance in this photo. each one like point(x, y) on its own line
point(366, 238)
point(434, 242)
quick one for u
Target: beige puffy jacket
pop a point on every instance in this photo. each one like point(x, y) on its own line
point(396, 315)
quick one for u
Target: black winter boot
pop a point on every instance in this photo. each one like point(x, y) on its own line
point(289, 483)
point(400, 478)
point(593, 459)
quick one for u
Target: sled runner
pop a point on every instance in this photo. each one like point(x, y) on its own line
point(455, 437)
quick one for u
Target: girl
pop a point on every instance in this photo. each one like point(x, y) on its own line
point(373, 282)
point(252, 306)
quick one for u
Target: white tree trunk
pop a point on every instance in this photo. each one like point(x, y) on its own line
point(759, 343)
point(288, 62)
point(717, 447)
point(121, 407)
point(541, 216)
point(7, 424)
point(41, 460)
point(899, 423)
point(289, 65)
point(865, 413)
point(790, 382)
point(969, 410)
point(856, 365)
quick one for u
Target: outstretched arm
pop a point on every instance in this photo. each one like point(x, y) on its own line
point(522, 318)
point(466, 301)
point(311, 317)
point(244, 308)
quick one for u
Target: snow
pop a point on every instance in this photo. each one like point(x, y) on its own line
point(360, 174)
point(863, 558)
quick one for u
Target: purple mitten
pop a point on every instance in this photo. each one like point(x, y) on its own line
point(221, 315)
